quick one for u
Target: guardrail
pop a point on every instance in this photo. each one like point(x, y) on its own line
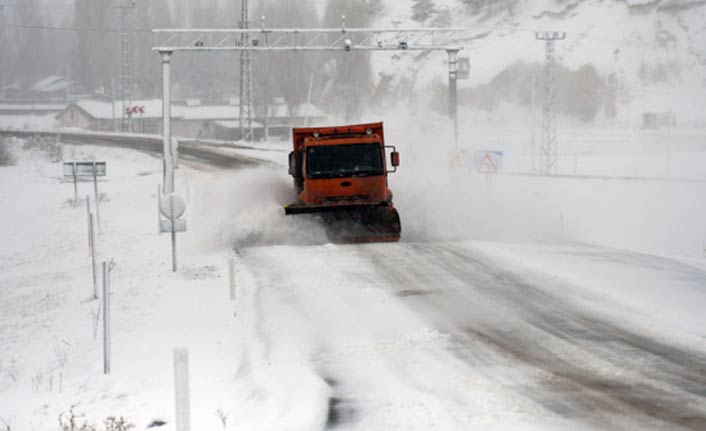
point(88, 137)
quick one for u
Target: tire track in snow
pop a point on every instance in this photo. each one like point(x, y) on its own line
point(590, 367)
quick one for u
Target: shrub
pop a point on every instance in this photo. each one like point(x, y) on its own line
point(7, 156)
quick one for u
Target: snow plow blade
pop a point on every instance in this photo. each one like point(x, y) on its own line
point(355, 223)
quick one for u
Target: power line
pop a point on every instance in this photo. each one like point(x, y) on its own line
point(53, 6)
point(74, 29)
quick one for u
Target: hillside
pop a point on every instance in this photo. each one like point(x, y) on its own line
point(631, 57)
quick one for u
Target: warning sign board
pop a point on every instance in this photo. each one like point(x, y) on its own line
point(488, 161)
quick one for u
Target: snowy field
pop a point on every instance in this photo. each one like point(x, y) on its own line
point(511, 302)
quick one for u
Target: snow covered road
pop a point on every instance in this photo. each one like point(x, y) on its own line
point(425, 334)
point(449, 336)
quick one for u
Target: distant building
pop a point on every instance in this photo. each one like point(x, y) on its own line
point(27, 116)
point(105, 116)
point(658, 120)
point(51, 87)
point(27, 109)
point(191, 119)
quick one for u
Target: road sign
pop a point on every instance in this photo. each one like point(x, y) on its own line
point(488, 162)
point(464, 68)
point(165, 226)
point(84, 169)
point(135, 110)
point(172, 206)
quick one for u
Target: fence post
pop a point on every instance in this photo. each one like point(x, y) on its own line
point(95, 196)
point(106, 318)
point(181, 389)
point(75, 184)
point(159, 217)
point(174, 245)
point(88, 222)
point(93, 257)
point(231, 278)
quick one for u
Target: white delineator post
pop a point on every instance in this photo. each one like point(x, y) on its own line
point(171, 218)
point(181, 390)
point(95, 196)
point(231, 278)
point(88, 222)
point(106, 318)
point(92, 234)
point(75, 185)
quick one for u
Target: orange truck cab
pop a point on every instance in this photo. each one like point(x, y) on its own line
point(341, 171)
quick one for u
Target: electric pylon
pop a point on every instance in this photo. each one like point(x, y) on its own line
point(245, 101)
point(124, 6)
point(549, 153)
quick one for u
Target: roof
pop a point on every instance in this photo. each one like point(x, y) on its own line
point(21, 107)
point(51, 84)
point(279, 110)
point(103, 110)
point(235, 124)
point(206, 112)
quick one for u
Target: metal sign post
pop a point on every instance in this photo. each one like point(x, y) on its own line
point(92, 234)
point(172, 207)
point(86, 169)
point(106, 318)
point(247, 40)
point(73, 174)
point(96, 198)
point(453, 92)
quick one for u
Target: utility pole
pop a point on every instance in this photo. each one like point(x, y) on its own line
point(549, 153)
point(533, 142)
point(245, 101)
point(453, 92)
point(124, 6)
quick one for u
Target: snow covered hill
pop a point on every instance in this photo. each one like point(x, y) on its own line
point(641, 56)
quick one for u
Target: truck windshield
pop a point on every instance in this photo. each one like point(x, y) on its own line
point(352, 160)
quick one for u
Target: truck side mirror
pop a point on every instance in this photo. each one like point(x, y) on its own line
point(293, 164)
point(395, 158)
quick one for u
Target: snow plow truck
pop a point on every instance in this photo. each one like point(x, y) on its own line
point(340, 173)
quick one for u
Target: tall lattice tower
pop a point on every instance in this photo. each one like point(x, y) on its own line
point(125, 6)
point(245, 101)
point(549, 151)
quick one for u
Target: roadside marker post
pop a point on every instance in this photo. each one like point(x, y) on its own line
point(106, 318)
point(181, 389)
point(88, 222)
point(92, 234)
point(172, 207)
point(231, 279)
point(96, 198)
point(75, 185)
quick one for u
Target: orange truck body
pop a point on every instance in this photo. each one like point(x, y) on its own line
point(342, 168)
